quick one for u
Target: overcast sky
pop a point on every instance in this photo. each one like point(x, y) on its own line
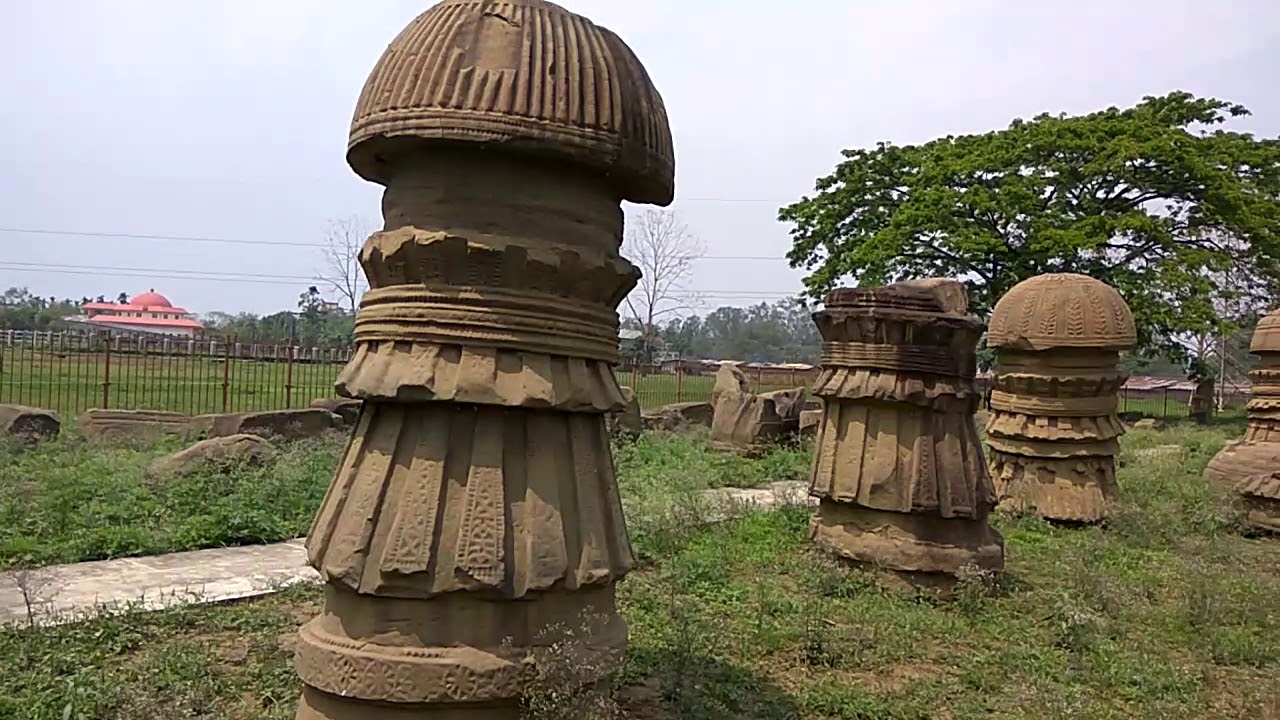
point(228, 118)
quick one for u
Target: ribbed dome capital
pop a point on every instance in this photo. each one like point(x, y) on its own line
point(525, 75)
point(1266, 336)
point(1062, 310)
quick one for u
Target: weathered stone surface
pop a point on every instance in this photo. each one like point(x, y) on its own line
point(1244, 467)
point(1149, 424)
point(1200, 404)
point(898, 467)
point(677, 416)
point(345, 408)
point(627, 423)
point(213, 454)
point(788, 404)
point(133, 426)
point(746, 423)
point(1054, 430)
point(1239, 459)
point(282, 424)
point(506, 138)
point(729, 379)
point(29, 425)
point(809, 422)
point(1261, 494)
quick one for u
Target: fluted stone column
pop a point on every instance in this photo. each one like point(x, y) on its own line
point(898, 469)
point(1054, 432)
point(475, 515)
point(1251, 467)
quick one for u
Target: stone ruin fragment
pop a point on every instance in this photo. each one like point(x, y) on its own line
point(1249, 466)
point(474, 520)
point(747, 423)
point(1054, 432)
point(29, 425)
point(898, 470)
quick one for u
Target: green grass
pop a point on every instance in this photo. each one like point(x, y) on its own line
point(70, 501)
point(1164, 614)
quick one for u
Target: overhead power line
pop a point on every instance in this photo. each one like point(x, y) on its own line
point(291, 280)
point(275, 243)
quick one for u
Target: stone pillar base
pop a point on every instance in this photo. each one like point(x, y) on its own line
point(1239, 460)
point(1067, 490)
point(1263, 515)
point(316, 705)
point(457, 656)
point(913, 545)
point(1261, 494)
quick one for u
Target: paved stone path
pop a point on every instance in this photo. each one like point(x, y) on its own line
point(65, 593)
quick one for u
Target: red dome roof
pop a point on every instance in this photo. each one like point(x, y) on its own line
point(151, 298)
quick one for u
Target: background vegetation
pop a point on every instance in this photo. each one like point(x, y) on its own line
point(1166, 613)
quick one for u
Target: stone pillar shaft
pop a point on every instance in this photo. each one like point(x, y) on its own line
point(1053, 431)
point(898, 469)
point(475, 514)
point(1250, 468)
point(474, 520)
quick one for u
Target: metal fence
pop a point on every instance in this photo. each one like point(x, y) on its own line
point(1172, 402)
point(72, 372)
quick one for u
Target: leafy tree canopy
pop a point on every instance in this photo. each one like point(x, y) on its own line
point(1178, 214)
point(21, 310)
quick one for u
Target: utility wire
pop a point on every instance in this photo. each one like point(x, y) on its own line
point(265, 279)
point(279, 243)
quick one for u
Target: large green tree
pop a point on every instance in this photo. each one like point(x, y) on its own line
point(1181, 215)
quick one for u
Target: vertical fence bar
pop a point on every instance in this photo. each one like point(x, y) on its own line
point(143, 374)
point(6, 367)
point(1164, 405)
point(106, 371)
point(188, 361)
point(171, 393)
point(60, 398)
point(226, 372)
point(83, 354)
point(24, 373)
point(288, 376)
point(679, 381)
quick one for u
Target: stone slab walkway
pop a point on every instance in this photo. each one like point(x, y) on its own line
point(66, 593)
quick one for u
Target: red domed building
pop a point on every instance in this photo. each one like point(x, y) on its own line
point(149, 313)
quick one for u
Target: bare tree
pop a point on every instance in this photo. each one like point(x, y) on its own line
point(663, 248)
point(34, 584)
point(342, 275)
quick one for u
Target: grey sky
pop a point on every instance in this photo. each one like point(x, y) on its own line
point(228, 118)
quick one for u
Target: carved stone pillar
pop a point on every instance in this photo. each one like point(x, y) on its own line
point(1251, 467)
point(1054, 432)
point(898, 470)
point(475, 515)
